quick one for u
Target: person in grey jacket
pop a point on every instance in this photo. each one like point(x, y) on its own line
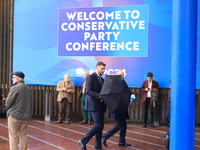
point(18, 105)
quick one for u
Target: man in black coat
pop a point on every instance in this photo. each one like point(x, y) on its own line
point(168, 120)
point(96, 106)
point(120, 124)
point(2, 98)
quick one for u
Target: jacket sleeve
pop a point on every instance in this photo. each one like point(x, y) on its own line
point(10, 100)
point(59, 88)
point(157, 85)
point(143, 88)
point(89, 88)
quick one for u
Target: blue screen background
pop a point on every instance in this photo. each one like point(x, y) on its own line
point(36, 44)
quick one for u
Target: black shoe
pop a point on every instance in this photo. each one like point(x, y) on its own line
point(152, 125)
point(98, 149)
point(59, 121)
point(144, 125)
point(124, 144)
point(83, 146)
point(103, 140)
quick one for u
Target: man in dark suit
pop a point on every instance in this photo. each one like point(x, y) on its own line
point(147, 88)
point(96, 106)
point(120, 124)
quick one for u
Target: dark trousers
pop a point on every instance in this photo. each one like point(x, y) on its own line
point(120, 125)
point(64, 110)
point(96, 129)
point(146, 105)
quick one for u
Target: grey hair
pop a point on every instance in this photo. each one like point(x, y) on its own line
point(86, 73)
point(66, 75)
point(117, 72)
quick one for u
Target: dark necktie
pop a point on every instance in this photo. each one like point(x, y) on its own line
point(100, 80)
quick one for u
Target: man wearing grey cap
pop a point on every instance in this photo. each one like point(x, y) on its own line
point(18, 105)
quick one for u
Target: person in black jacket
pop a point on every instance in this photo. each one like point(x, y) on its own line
point(168, 120)
point(120, 126)
point(2, 98)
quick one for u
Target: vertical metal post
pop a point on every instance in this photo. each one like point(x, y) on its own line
point(48, 116)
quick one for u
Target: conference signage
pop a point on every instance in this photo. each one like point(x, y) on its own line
point(59, 37)
point(103, 31)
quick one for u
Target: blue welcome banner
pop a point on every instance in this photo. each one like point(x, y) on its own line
point(103, 31)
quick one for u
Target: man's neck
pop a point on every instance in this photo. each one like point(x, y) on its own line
point(97, 73)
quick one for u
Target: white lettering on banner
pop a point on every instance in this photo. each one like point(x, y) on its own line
point(100, 15)
point(101, 25)
point(80, 71)
point(100, 36)
point(102, 46)
point(108, 31)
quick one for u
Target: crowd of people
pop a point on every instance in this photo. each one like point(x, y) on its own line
point(18, 105)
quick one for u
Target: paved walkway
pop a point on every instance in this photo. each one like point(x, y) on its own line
point(43, 135)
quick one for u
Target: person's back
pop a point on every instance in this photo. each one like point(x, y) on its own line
point(21, 107)
point(18, 105)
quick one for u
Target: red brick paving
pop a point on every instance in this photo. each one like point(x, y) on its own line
point(51, 136)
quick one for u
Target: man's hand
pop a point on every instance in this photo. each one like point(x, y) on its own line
point(3, 98)
point(68, 90)
point(64, 89)
point(146, 89)
point(101, 101)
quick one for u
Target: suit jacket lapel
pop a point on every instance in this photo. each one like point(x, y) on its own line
point(98, 79)
point(147, 84)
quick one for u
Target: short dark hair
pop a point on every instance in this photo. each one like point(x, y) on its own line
point(149, 74)
point(100, 63)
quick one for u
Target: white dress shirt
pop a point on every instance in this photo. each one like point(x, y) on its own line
point(149, 86)
point(84, 84)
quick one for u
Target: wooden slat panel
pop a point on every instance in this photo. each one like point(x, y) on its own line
point(40, 99)
point(36, 100)
point(4, 42)
point(11, 39)
point(44, 99)
point(78, 100)
point(198, 108)
point(73, 105)
point(1, 39)
point(55, 102)
point(7, 41)
point(48, 88)
point(52, 97)
point(33, 99)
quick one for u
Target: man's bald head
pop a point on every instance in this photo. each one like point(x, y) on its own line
point(85, 74)
point(120, 72)
point(66, 77)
